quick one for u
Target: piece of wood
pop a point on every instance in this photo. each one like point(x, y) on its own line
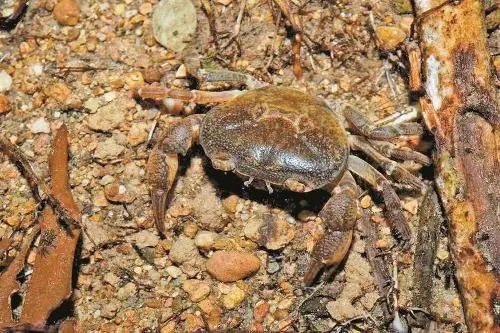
point(51, 282)
point(460, 109)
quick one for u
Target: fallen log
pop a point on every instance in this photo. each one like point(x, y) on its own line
point(460, 108)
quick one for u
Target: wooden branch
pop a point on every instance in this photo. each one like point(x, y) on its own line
point(51, 282)
point(460, 109)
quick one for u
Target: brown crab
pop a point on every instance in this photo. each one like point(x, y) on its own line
point(275, 136)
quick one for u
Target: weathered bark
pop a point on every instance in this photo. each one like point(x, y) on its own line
point(460, 109)
point(51, 282)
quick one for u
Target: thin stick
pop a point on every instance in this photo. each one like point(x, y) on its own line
point(36, 183)
point(237, 26)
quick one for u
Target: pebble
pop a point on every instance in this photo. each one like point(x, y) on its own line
point(342, 309)
point(273, 267)
point(213, 313)
point(109, 310)
point(67, 12)
point(108, 149)
point(183, 250)
point(137, 134)
point(197, 290)
point(272, 232)
point(190, 229)
point(230, 203)
point(92, 104)
point(5, 81)
point(174, 23)
point(233, 298)
point(192, 323)
point(366, 201)
point(126, 291)
point(205, 239)
point(4, 104)
point(58, 91)
point(40, 125)
point(106, 118)
point(119, 193)
point(145, 8)
point(390, 37)
point(230, 266)
point(260, 311)
point(144, 238)
point(173, 271)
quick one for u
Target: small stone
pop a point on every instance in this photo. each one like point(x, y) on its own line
point(174, 23)
point(389, 37)
point(144, 238)
point(107, 179)
point(190, 229)
point(170, 327)
point(92, 104)
point(183, 250)
point(306, 215)
point(273, 267)
point(126, 291)
point(108, 149)
point(181, 72)
point(106, 118)
point(145, 8)
point(134, 79)
point(152, 74)
point(230, 266)
point(193, 323)
point(230, 203)
point(173, 271)
point(40, 125)
point(342, 310)
point(205, 239)
point(410, 204)
point(4, 104)
point(196, 289)
point(111, 278)
point(272, 232)
point(366, 201)
point(137, 134)
point(369, 300)
point(285, 304)
point(99, 200)
point(260, 312)
point(212, 313)
point(109, 310)
point(119, 193)
point(180, 208)
point(67, 12)
point(5, 81)
point(58, 91)
point(233, 298)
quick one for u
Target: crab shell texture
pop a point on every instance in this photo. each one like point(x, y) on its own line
point(277, 135)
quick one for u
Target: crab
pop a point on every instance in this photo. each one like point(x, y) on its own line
point(281, 137)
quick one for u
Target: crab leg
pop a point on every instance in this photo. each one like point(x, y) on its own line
point(391, 167)
point(160, 93)
point(392, 151)
point(394, 214)
point(364, 127)
point(339, 214)
point(163, 162)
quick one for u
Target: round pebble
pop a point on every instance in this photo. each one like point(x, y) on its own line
point(230, 266)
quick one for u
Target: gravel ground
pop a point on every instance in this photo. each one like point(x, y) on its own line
point(80, 67)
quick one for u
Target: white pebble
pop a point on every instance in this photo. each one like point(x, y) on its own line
point(40, 125)
point(5, 81)
point(37, 69)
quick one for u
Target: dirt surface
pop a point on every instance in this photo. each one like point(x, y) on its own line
point(83, 74)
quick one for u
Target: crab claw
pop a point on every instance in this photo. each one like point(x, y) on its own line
point(159, 203)
point(161, 171)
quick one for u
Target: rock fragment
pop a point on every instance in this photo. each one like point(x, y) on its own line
point(233, 298)
point(174, 23)
point(183, 251)
point(5, 81)
point(108, 149)
point(389, 37)
point(67, 12)
point(4, 104)
point(144, 238)
point(40, 125)
point(230, 266)
point(106, 118)
point(197, 290)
